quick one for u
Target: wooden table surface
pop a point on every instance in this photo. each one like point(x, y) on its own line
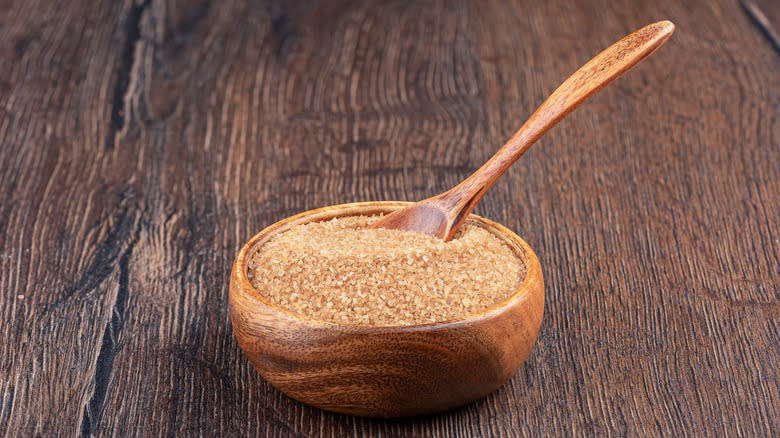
point(142, 143)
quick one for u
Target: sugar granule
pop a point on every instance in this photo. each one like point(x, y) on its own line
point(341, 272)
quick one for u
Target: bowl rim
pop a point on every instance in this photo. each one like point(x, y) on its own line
point(240, 267)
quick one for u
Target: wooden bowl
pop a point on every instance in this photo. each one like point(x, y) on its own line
point(385, 371)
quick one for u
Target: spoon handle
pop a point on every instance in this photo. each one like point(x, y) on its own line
point(585, 82)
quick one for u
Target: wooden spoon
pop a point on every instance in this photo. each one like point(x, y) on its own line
point(442, 214)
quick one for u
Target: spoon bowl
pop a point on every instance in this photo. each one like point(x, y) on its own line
point(385, 371)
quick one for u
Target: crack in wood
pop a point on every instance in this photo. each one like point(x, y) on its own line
point(5, 411)
point(132, 36)
point(109, 347)
point(283, 32)
point(110, 344)
point(105, 256)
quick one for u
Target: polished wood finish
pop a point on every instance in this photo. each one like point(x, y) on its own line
point(143, 143)
point(385, 371)
point(442, 215)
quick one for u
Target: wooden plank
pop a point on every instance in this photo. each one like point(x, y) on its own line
point(241, 116)
point(649, 207)
point(141, 144)
point(67, 216)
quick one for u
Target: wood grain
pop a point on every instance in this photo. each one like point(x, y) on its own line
point(141, 143)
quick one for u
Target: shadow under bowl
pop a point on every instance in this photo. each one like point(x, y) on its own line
point(385, 371)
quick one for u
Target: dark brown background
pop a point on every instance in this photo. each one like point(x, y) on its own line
point(142, 143)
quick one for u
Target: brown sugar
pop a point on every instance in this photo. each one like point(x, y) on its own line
point(338, 271)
